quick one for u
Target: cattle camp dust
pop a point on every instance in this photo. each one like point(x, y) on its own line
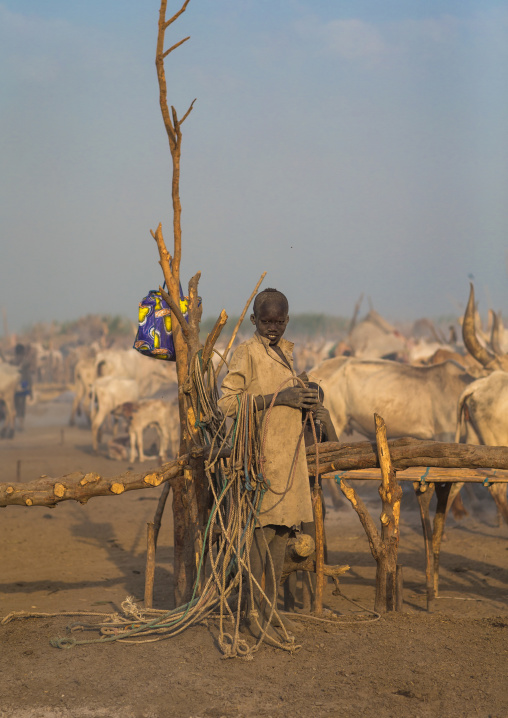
point(87, 559)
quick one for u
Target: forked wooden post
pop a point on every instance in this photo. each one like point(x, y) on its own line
point(391, 495)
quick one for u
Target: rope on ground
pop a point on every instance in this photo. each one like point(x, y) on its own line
point(38, 614)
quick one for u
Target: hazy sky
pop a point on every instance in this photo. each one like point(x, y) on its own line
point(344, 146)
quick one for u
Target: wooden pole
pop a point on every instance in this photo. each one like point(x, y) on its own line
point(150, 564)
point(399, 594)
point(424, 493)
point(391, 494)
point(317, 506)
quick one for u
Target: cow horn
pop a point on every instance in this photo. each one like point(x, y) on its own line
point(495, 337)
point(469, 334)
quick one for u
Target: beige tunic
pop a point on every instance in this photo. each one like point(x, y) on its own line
point(255, 368)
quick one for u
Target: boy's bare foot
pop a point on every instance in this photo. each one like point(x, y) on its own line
point(257, 627)
point(279, 620)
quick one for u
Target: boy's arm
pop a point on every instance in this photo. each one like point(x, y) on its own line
point(323, 415)
point(295, 396)
point(239, 378)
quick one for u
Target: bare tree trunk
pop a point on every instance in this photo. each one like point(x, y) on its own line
point(186, 336)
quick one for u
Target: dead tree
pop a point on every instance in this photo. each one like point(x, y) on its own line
point(189, 490)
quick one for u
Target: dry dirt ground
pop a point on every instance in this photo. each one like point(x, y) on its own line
point(453, 662)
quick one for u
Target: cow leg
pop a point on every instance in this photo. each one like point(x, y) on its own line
point(333, 491)
point(139, 434)
point(163, 441)
point(498, 493)
point(446, 495)
point(96, 428)
point(457, 507)
point(78, 396)
point(20, 407)
point(132, 439)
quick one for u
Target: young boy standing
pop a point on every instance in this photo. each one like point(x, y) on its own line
point(259, 367)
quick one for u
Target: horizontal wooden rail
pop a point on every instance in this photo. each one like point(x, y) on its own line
point(430, 476)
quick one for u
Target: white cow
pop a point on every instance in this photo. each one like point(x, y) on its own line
point(416, 401)
point(10, 383)
point(130, 369)
point(374, 337)
point(160, 414)
point(84, 377)
point(110, 392)
point(129, 363)
point(482, 418)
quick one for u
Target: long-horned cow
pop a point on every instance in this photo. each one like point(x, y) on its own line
point(482, 412)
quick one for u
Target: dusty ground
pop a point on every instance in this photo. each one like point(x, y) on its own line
point(74, 558)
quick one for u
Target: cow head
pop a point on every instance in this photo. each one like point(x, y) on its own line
point(125, 410)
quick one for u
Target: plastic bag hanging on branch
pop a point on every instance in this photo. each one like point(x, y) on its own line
point(154, 337)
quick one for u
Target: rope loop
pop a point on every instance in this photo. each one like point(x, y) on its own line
point(423, 477)
point(339, 476)
point(64, 642)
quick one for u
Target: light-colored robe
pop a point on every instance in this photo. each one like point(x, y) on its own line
point(257, 369)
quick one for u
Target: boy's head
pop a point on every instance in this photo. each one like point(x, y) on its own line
point(270, 316)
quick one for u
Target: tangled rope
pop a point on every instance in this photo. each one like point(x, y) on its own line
point(237, 488)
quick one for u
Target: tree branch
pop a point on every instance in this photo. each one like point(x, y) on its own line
point(82, 487)
point(175, 310)
point(364, 516)
point(188, 111)
point(176, 15)
point(213, 336)
point(173, 47)
point(194, 306)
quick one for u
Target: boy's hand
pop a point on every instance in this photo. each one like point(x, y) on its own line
point(322, 414)
point(298, 398)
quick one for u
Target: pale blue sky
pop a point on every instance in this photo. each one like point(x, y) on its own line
point(345, 147)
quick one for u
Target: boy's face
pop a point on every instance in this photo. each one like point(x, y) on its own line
point(271, 320)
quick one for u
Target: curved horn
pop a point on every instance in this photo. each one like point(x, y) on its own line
point(495, 337)
point(469, 334)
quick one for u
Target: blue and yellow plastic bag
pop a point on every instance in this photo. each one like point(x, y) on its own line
point(155, 336)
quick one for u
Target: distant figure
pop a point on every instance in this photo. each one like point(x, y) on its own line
point(23, 361)
point(453, 335)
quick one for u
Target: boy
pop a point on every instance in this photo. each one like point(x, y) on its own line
point(259, 366)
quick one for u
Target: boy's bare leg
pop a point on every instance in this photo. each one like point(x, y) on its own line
point(277, 548)
point(255, 619)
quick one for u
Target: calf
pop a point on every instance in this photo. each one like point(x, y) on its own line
point(110, 393)
point(162, 415)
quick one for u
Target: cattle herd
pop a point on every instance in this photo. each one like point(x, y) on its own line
point(427, 387)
